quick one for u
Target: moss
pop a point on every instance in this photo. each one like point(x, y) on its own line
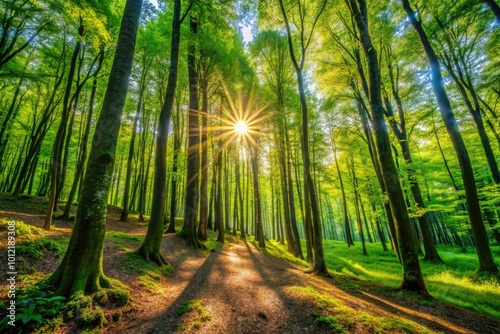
point(196, 313)
point(330, 321)
point(81, 308)
point(149, 274)
point(31, 242)
point(342, 319)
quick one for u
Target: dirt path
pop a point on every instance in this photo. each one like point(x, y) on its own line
point(246, 291)
point(238, 289)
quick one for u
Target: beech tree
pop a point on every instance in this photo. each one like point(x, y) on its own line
point(81, 270)
point(486, 263)
point(312, 206)
point(150, 248)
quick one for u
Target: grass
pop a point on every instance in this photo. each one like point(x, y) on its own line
point(196, 314)
point(454, 282)
point(31, 241)
point(149, 274)
point(124, 240)
point(340, 318)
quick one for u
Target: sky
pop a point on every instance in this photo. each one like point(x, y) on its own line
point(246, 29)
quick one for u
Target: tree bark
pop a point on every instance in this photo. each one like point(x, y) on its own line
point(58, 144)
point(188, 231)
point(319, 264)
point(150, 248)
point(486, 263)
point(412, 274)
point(81, 268)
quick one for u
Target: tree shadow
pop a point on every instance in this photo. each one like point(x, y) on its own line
point(167, 321)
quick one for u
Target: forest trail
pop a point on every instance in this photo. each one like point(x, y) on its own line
point(237, 288)
point(246, 291)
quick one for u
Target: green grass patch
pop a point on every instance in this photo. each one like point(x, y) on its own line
point(149, 274)
point(31, 241)
point(126, 242)
point(195, 314)
point(455, 281)
point(340, 318)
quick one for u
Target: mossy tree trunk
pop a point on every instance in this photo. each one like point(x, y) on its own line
point(81, 268)
point(188, 230)
point(150, 248)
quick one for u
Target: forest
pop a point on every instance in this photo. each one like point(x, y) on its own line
point(236, 166)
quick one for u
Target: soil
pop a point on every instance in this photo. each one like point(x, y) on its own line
point(241, 289)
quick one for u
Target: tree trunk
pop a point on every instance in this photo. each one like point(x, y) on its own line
point(399, 131)
point(150, 248)
point(81, 267)
point(202, 230)
point(128, 174)
point(188, 231)
point(412, 273)
point(58, 144)
point(486, 263)
point(348, 236)
point(494, 7)
point(259, 235)
point(84, 142)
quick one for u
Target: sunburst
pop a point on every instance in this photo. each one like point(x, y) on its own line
point(241, 122)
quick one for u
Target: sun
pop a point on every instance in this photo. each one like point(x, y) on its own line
point(241, 127)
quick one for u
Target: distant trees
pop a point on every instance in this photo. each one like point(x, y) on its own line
point(344, 141)
point(486, 262)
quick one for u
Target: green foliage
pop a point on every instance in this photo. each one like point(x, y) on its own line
point(455, 281)
point(36, 307)
point(30, 241)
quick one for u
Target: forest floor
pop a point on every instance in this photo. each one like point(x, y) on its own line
point(236, 288)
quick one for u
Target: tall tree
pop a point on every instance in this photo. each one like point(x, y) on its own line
point(81, 270)
point(150, 248)
point(191, 204)
point(486, 263)
point(412, 273)
point(312, 206)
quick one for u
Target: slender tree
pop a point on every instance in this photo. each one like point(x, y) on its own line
point(150, 248)
point(486, 263)
point(312, 206)
point(412, 273)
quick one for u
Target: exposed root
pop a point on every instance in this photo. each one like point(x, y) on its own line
point(415, 287)
point(155, 257)
point(191, 239)
point(318, 271)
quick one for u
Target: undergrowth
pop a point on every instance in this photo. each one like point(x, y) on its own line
point(30, 241)
point(455, 281)
point(340, 318)
point(195, 314)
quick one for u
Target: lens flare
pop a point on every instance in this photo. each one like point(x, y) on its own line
point(241, 128)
